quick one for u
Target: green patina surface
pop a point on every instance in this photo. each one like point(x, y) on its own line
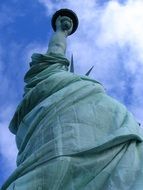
point(71, 135)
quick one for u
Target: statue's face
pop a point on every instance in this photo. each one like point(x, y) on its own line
point(66, 23)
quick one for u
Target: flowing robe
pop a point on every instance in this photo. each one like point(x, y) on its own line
point(71, 135)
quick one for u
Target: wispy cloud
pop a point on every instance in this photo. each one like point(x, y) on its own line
point(8, 14)
point(5, 16)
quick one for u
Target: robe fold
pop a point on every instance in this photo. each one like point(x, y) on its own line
point(71, 135)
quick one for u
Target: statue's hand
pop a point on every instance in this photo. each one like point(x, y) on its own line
point(65, 24)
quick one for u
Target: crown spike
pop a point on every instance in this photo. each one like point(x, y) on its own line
point(87, 74)
point(72, 65)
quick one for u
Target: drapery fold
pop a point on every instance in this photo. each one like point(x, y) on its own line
point(71, 135)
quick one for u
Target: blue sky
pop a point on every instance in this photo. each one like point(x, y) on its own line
point(110, 37)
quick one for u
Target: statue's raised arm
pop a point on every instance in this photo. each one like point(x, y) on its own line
point(64, 23)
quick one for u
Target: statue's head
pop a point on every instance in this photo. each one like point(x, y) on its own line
point(68, 19)
point(66, 23)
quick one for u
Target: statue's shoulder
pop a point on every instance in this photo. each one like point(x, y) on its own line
point(51, 58)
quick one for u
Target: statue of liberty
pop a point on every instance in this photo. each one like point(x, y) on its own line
point(70, 134)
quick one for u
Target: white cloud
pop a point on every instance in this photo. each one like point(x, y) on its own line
point(123, 24)
point(110, 38)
